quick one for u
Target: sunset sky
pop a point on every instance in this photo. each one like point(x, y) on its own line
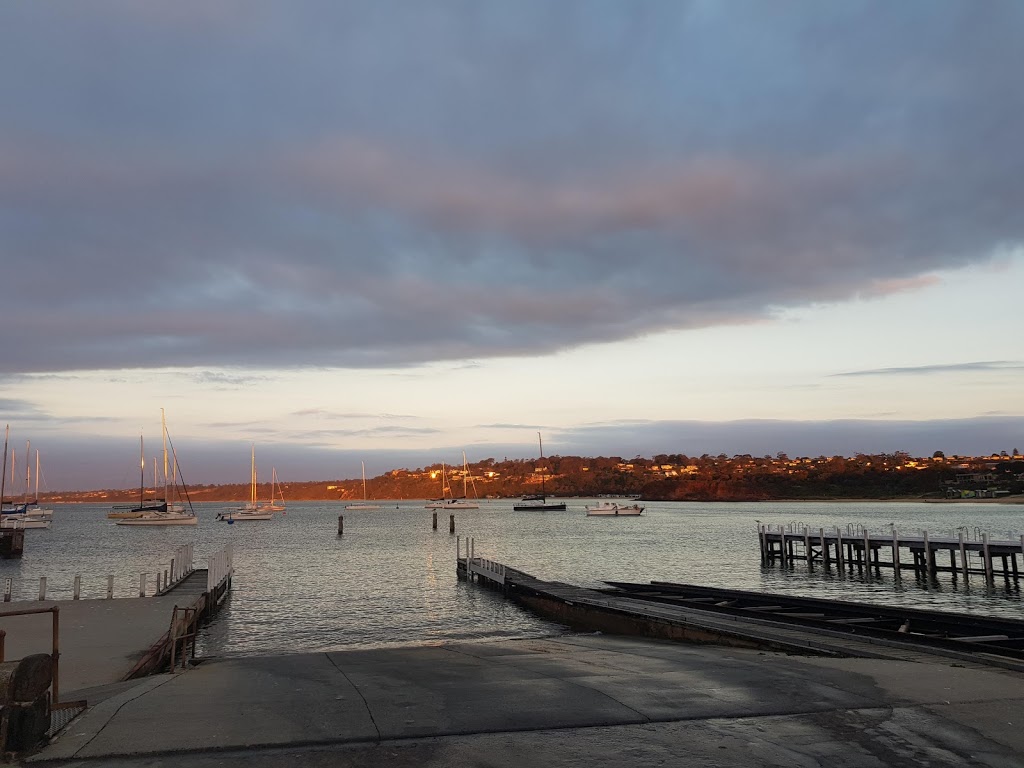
point(393, 231)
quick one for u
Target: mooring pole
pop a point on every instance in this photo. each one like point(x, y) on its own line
point(341, 525)
point(451, 524)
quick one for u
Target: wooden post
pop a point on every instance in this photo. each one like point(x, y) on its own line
point(927, 555)
point(42, 587)
point(963, 555)
point(895, 552)
point(341, 525)
point(782, 544)
point(8, 588)
point(867, 551)
point(451, 524)
point(824, 546)
point(435, 521)
point(839, 547)
point(987, 554)
point(78, 588)
point(173, 578)
point(807, 547)
point(142, 585)
point(110, 587)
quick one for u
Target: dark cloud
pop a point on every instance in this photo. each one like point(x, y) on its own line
point(995, 365)
point(371, 184)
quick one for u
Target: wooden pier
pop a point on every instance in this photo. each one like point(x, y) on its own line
point(859, 549)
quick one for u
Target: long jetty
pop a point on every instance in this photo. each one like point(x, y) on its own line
point(729, 617)
point(858, 548)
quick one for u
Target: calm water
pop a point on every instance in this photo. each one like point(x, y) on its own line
point(390, 580)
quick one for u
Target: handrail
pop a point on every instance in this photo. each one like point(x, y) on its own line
point(54, 654)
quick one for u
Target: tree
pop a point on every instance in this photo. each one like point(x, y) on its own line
point(938, 455)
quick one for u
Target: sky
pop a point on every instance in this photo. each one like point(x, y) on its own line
point(393, 231)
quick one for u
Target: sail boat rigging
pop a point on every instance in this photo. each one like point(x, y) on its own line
point(364, 504)
point(453, 503)
point(156, 511)
point(538, 501)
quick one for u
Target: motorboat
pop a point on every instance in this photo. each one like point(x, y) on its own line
point(161, 518)
point(612, 509)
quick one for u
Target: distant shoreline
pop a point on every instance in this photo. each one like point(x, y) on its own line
point(1014, 499)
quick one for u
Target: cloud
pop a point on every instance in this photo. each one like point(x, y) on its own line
point(365, 186)
point(922, 370)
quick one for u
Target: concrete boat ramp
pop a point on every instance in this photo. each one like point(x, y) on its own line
point(586, 700)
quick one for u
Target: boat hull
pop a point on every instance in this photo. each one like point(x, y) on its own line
point(238, 517)
point(539, 507)
point(162, 520)
point(22, 523)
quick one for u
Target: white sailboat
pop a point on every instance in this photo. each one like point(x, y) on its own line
point(364, 504)
point(253, 510)
point(453, 503)
point(276, 503)
point(157, 511)
point(28, 514)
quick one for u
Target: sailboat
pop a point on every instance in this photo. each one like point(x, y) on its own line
point(453, 503)
point(535, 502)
point(276, 503)
point(251, 510)
point(156, 511)
point(364, 503)
point(28, 514)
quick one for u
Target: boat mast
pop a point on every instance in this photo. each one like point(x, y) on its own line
point(363, 465)
point(28, 469)
point(465, 471)
point(163, 429)
point(3, 470)
point(142, 473)
point(542, 472)
point(252, 490)
point(37, 475)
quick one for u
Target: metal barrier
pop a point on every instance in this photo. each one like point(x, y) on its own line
point(54, 611)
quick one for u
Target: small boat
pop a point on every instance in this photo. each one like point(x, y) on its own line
point(610, 508)
point(538, 502)
point(276, 503)
point(21, 522)
point(241, 515)
point(156, 511)
point(161, 518)
point(364, 504)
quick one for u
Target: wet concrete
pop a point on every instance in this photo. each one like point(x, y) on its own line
point(578, 700)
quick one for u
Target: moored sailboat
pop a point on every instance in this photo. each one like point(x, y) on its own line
point(538, 501)
point(158, 511)
point(365, 503)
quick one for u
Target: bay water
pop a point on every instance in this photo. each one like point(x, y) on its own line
point(390, 580)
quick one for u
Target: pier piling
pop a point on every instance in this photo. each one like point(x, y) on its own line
point(77, 591)
point(341, 525)
point(110, 587)
point(435, 521)
point(451, 524)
